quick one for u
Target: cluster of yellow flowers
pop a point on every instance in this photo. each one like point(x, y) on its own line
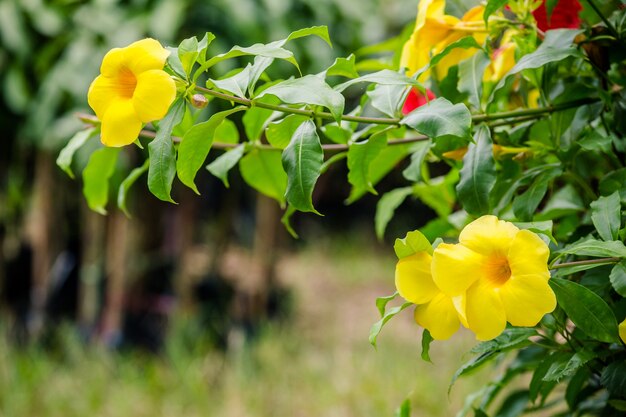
point(496, 274)
point(132, 89)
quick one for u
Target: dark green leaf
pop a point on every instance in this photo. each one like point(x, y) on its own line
point(440, 118)
point(378, 326)
point(195, 146)
point(64, 160)
point(538, 386)
point(472, 365)
point(514, 405)
point(386, 206)
point(606, 216)
point(618, 278)
point(588, 311)
point(525, 205)
point(163, 155)
point(575, 386)
point(614, 378)
point(566, 369)
point(613, 181)
point(225, 163)
point(411, 244)
point(426, 341)
point(309, 89)
point(471, 73)
point(302, 161)
point(122, 192)
point(360, 156)
point(414, 171)
point(263, 171)
point(96, 174)
point(597, 248)
point(478, 175)
point(511, 338)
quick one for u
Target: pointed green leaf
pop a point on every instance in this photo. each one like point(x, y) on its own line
point(263, 171)
point(343, 67)
point(122, 192)
point(309, 89)
point(96, 174)
point(471, 72)
point(606, 216)
point(360, 156)
point(440, 118)
point(587, 310)
point(227, 132)
point(386, 77)
point(414, 171)
point(492, 7)
point(188, 53)
point(386, 206)
point(426, 341)
point(286, 221)
point(195, 146)
point(163, 155)
point(302, 161)
point(597, 248)
point(414, 242)
point(525, 205)
point(478, 174)
point(64, 160)
point(225, 162)
point(279, 133)
point(618, 278)
point(388, 98)
point(381, 303)
point(378, 326)
point(319, 31)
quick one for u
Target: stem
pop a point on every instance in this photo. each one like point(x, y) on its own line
point(586, 262)
point(604, 19)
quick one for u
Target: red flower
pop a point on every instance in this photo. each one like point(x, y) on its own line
point(564, 15)
point(416, 99)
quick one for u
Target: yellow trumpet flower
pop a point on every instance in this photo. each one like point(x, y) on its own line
point(132, 89)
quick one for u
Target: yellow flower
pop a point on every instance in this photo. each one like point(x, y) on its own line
point(132, 89)
point(435, 311)
point(496, 273)
point(435, 30)
point(502, 59)
point(622, 331)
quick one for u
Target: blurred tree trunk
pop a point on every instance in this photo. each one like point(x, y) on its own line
point(93, 226)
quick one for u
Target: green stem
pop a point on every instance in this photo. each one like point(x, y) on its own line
point(604, 19)
point(586, 262)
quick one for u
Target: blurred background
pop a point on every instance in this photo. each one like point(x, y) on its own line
point(207, 307)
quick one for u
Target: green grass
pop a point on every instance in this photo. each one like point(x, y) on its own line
point(319, 363)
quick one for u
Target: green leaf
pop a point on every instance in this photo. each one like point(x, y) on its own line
point(256, 118)
point(279, 133)
point(302, 161)
point(511, 338)
point(386, 206)
point(203, 45)
point(188, 53)
point(236, 84)
point(478, 175)
point(472, 365)
point(575, 387)
point(426, 341)
point(543, 228)
point(343, 67)
point(414, 242)
point(226, 132)
point(597, 248)
point(440, 118)
point(122, 192)
point(514, 405)
point(613, 181)
point(96, 174)
point(606, 216)
point(414, 171)
point(525, 205)
point(163, 155)
point(378, 326)
point(618, 278)
point(538, 386)
point(587, 310)
point(492, 7)
point(566, 369)
point(225, 162)
point(381, 303)
point(388, 98)
point(286, 221)
point(386, 77)
point(614, 378)
point(471, 72)
point(263, 171)
point(360, 156)
point(195, 146)
point(319, 31)
point(64, 160)
point(309, 89)
point(404, 410)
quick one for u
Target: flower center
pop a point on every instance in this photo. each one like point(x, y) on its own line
point(498, 271)
point(126, 83)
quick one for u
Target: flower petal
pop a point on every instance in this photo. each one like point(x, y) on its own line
point(153, 95)
point(455, 268)
point(622, 331)
point(102, 92)
point(526, 299)
point(413, 279)
point(112, 62)
point(485, 312)
point(120, 124)
point(488, 235)
point(439, 317)
point(528, 255)
point(145, 55)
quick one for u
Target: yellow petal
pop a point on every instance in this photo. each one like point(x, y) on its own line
point(112, 62)
point(120, 124)
point(413, 279)
point(487, 235)
point(528, 255)
point(526, 299)
point(475, 14)
point(485, 312)
point(622, 331)
point(102, 92)
point(439, 317)
point(460, 305)
point(503, 62)
point(144, 55)
point(153, 95)
point(455, 268)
